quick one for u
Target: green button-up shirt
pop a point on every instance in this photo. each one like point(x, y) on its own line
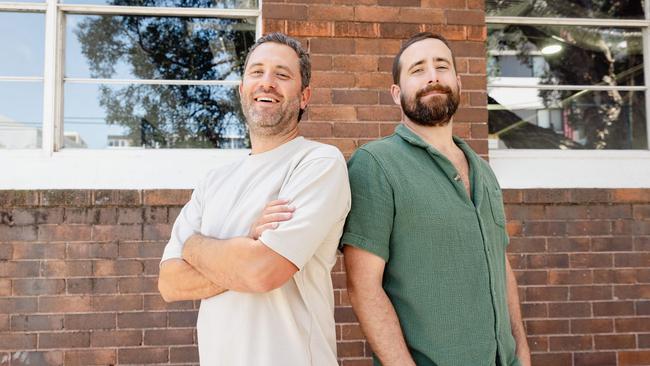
point(444, 251)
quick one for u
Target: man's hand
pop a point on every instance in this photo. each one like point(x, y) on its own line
point(274, 212)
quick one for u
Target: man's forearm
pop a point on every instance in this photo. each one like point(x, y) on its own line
point(381, 326)
point(240, 264)
point(178, 281)
point(516, 324)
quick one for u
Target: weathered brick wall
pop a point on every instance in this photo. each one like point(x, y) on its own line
point(78, 278)
point(352, 44)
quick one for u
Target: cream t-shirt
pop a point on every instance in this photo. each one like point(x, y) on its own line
point(294, 324)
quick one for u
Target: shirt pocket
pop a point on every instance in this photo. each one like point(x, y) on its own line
point(496, 206)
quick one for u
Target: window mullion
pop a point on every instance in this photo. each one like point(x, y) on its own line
point(49, 77)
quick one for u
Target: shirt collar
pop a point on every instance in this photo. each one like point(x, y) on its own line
point(414, 139)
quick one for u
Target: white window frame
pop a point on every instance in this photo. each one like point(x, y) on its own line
point(51, 167)
point(532, 168)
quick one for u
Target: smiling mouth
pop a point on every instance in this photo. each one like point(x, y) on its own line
point(266, 100)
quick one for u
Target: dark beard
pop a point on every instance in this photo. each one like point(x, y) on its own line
point(436, 113)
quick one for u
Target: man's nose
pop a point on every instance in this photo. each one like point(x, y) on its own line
point(433, 76)
point(268, 81)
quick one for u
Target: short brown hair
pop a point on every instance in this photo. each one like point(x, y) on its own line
point(397, 68)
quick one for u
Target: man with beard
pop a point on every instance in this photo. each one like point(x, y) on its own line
point(262, 270)
point(425, 240)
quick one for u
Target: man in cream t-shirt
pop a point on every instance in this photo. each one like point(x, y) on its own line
point(258, 238)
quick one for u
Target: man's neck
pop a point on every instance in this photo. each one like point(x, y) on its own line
point(262, 143)
point(440, 137)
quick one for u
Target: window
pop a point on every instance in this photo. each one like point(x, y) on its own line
point(567, 92)
point(82, 80)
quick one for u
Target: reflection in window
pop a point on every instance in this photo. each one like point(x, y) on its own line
point(521, 118)
point(21, 115)
point(219, 4)
point(139, 115)
point(612, 9)
point(153, 116)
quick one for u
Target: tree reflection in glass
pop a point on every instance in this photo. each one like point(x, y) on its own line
point(571, 55)
point(171, 48)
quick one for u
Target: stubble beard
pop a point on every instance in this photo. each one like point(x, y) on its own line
point(270, 122)
point(437, 112)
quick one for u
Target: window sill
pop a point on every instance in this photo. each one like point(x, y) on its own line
point(571, 168)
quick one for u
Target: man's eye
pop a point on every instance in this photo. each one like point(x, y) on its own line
point(442, 67)
point(416, 71)
point(283, 76)
point(256, 72)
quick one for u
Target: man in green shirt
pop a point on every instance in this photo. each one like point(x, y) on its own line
point(425, 240)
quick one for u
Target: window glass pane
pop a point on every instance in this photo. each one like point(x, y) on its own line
point(22, 44)
point(153, 116)
point(522, 118)
point(564, 55)
point(615, 9)
point(218, 4)
point(132, 47)
point(21, 115)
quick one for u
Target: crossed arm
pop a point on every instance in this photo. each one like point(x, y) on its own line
point(379, 320)
point(211, 266)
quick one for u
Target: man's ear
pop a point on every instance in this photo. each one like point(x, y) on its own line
point(396, 93)
point(241, 85)
point(305, 97)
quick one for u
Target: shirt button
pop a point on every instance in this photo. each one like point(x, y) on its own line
point(457, 177)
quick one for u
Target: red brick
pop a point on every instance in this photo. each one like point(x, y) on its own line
point(156, 231)
point(421, 15)
point(573, 244)
point(388, 47)
point(538, 344)
point(398, 30)
point(631, 195)
point(143, 355)
point(356, 130)
point(138, 285)
point(124, 267)
point(117, 303)
point(386, 129)
point(540, 261)
point(629, 358)
point(632, 292)
point(355, 63)
point(117, 197)
point(443, 4)
point(590, 293)
point(166, 197)
point(471, 115)
point(311, 28)
point(180, 319)
point(523, 212)
point(320, 63)
point(73, 268)
point(91, 285)
point(588, 326)
point(91, 357)
point(617, 341)
point(535, 327)
point(184, 354)
point(103, 215)
point(569, 277)
point(274, 25)
point(36, 322)
point(89, 321)
point(63, 304)
point(604, 276)
point(534, 310)
point(35, 216)
point(529, 278)
point(5, 287)
point(91, 250)
point(168, 337)
point(309, 129)
point(375, 14)
point(116, 232)
point(642, 244)
point(22, 233)
point(613, 308)
point(22, 250)
point(36, 286)
point(569, 310)
point(64, 340)
point(379, 113)
point(589, 227)
point(356, 30)
point(282, 11)
point(155, 302)
point(331, 46)
point(594, 358)
point(641, 212)
point(610, 211)
point(142, 320)
point(40, 358)
point(398, 2)
point(18, 198)
point(328, 12)
point(583, 260)
point(68, 198)
point(547, 293)
point(338, 113)
point(612, 244)
point(326, 79)
point(350, 349)
point(116, 338)
point(373, 80)
point(17, 269)
point(18, 305)
point(570, 343)
point(465, 17)
point(64, 232)
point(545, 195)
point(544, 228)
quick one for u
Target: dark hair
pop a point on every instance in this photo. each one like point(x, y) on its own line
point(303, 56)
point(397, 68)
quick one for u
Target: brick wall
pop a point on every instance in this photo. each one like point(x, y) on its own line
point(352, 44)
point(78, 268)
point(78, 273)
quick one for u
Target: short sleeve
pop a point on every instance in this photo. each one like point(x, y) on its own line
point(187, 223)
point(320, 191)
point(370, 222)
